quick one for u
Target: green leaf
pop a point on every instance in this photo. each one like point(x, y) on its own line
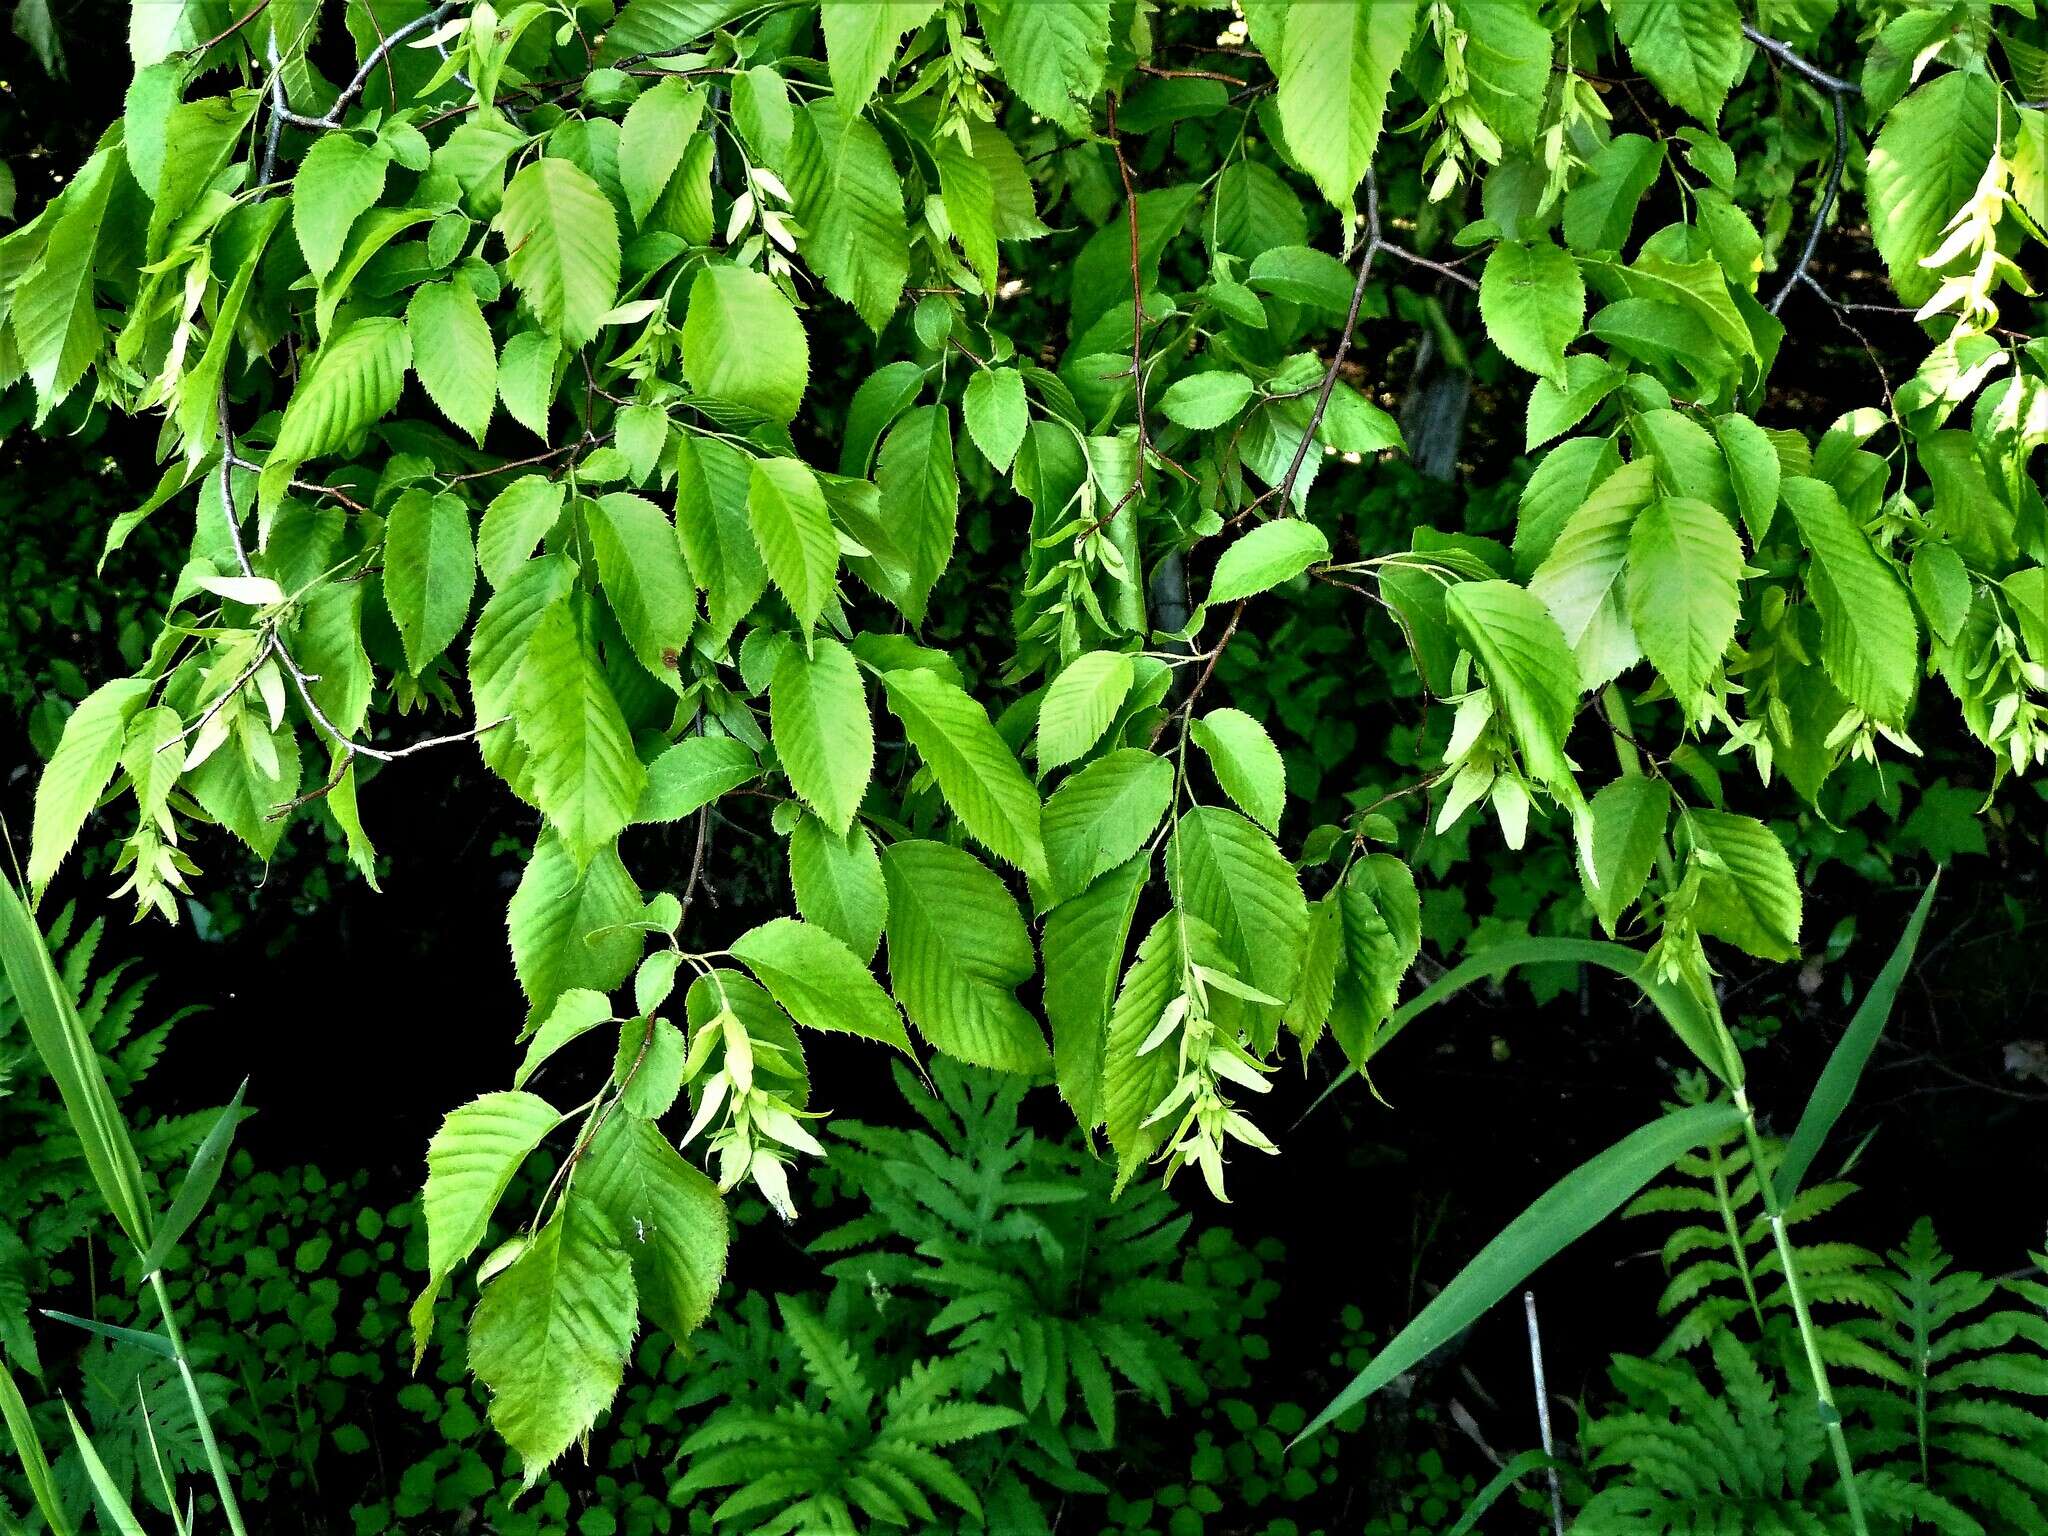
point(1507, 57)
point(1684, 562)
point(429, 573)
point(498, 644)
point(196, 1188)
point(1927, 161)
point(339, 180)
point(1628, 819)
point(1051, 53)
point(712, 486)
point(920, 498)
point(87, 754)
point(1749, 892)
point(1753, 472)
point(820, 981)
point(837, 880)
point(1379, 921)
point(640, 560)
point(1204, 400)
point(470, 1163)
point(56, 327)
point(666, 26)
point(861, 41)
point(1080, 704)
point(1226, 872)
point(1600, 210)
point(1102, 815)
point(1268, 555)
point(668, 1216)
point(1559, 1217)
point(744, 343)
point(352, 382)
point(1133, 1081)
point(1582, 581)
point(585, 775)
point(1692, 50)
point(563, 243)
point(957, 953)
point(567, 924)
point(1334, 66)
point(1870, 641)
point(824, 735)
point(1942, 584)
point(1554, 411)
point(526, 378)
point(1084, 943)
point(453, 354)
point(997, 414)
point(975, 771)
point(1528, 665)
point(848, 198)
point(693, 773)
point(551, 1335)
point(1533, 301)
point(576, 1012)
point(1838, 1079)
point(793, 530)
point(1246, 763)
point(657, 129)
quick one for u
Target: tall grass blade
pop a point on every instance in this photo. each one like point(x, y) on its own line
point(197, 1188)
point(1558, 1217)
point(28, 1450)
point(120, 1516)
point(1838, 1079)
point(67, 1052)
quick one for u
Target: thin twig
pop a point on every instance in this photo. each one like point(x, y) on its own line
point(1187, 74)
point(349, 92)
point(1543, 1411)
point(1442, 269)
point(1783, 53)
point(1827, 202)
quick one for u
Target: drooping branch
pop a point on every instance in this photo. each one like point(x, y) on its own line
point(332, 118)
point(1785, 55)
point(1837, 89)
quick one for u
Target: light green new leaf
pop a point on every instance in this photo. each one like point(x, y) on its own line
point(566, 925)
point(453, 354)
point(997, 414)
point(920, 498)
point(1268, 555)
point(339, 180)
point(585, 775)
point(1942, 585)
point(1582, 581)
point(1528, 665)
point(1753, 472)
point(1692, 50)
point(497, 646)
point(848, 197)
point(515, 521)
point(1204, 400)
point(563, 243)
point(87, 754)
point(818, 712)
point(1080, 704)
point(976, 772)
point(1533, 301)
point(1051, 52)
point(429, 572)
point(667, 1215)
point(1245, 762)
point(837, 881)
point(656, 131)
point(691, 774)
point(470, 1162)
point(354, 379)
point(1335, 64)
point(526, 378)
point(1684, 562)
point(1102, 815)
point(1749, 892)
point(821, 982)
point(861, 41)
point(640, 561)
point(958, 951)
point(793, 530)
point(551, 1335)
point(1564, 1213)
point(1870, 639)
point(1084, 943)
point(712, 485)
point(1628, 818)
point(744, 343)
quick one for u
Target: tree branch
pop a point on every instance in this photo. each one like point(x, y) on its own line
point(282, 113)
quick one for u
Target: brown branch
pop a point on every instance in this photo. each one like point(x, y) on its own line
point(1187, 74)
